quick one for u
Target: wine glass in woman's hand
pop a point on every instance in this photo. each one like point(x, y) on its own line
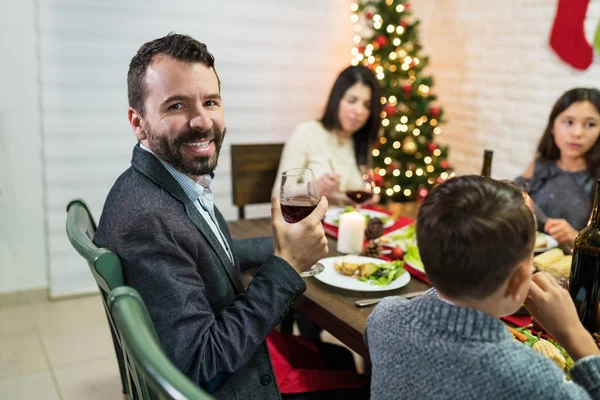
point(299, 197)
point(361, 191)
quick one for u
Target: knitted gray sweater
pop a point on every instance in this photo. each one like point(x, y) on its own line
point(431, 349)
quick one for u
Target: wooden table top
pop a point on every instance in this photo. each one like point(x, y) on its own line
point(331, 308)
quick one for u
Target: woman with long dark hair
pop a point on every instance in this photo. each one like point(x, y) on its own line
point(561, 180)
point(334, 146)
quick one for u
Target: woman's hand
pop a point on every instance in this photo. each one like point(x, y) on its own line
point(328, 184)
point(561, 230)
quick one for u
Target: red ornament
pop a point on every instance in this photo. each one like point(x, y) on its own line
point(397, 253)
point(402, 23)
point(381, 40)
point(444, 164)
point(421, 194)
point(431, 147)
point(407, 88)
point(434, 111)
point(378, 180)
point(369, 14)
point(361, 49)
point(390, 110)
point(407, 5)
point(395, 165)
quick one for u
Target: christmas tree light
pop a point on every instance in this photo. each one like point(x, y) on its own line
point(407, 160)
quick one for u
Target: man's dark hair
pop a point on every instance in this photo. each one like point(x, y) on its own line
point(180, 47)
point(472, 232)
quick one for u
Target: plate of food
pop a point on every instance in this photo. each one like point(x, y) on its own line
point(400, 238)
point(546, 347)
point(544, 242)
point(332, 216)
point(363, 274)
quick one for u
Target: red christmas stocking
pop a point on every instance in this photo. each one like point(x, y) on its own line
point(567, 38)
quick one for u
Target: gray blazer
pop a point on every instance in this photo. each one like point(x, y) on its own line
point(209, 326)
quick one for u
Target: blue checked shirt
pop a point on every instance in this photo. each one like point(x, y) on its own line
point(201, 196)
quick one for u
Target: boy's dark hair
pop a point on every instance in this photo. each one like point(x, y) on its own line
point(472, 232)
point(180, 47)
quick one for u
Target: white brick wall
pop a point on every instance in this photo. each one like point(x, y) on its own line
point(496, 76)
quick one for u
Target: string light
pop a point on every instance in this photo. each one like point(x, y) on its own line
point(407, 60)
point(354, 18)
point(354, 62)
point(371, 59)
point(354, 51)
point(376, 25)
point(354, 7)
point(437, 131)
point(444, 175)
point(396, 172)
point(385, 122)
point(392, 56)
point(399, 30)
point(387, 161)
point(389, 192)
point(375, 152)
point(356, 39)
point(416, 132)
point(383, 140)
point(437, 152)
point(382, 172)
point(397, 188)
point(399, 8)
point(430, 169)
point(424, 88)
point(396, 144)
point(393, 100)
point(380, 75)
point(407, 192)
point(405, 67)
point(416, 61)
point(433, 122)
point(390, 28)
point(393, 68)
point(377, 190)
point(379, 69)
point(396, 42)
point(427, 160)
point(419, 172)
point(404, 128)
point(408, 173)
point(404, 119)
point(431, 181)
point(383, 100)
point(359, 57)
point(377, 18)
point(398, 128)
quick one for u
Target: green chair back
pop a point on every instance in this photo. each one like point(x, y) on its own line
point(104, 265)
point(153, 374)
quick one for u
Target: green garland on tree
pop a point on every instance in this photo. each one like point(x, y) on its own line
point(407, 160)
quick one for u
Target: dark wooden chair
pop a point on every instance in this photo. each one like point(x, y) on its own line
point(253, 172)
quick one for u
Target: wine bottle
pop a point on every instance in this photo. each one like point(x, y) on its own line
point(486, 169)
point(584, 282)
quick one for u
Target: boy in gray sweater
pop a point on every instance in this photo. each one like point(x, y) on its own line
point(476, 239)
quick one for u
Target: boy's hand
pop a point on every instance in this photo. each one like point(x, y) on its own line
point(303, 243)
point(551, 306)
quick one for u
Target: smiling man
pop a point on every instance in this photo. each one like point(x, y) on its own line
point(175, 247)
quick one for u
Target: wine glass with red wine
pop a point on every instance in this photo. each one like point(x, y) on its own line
point(299, 197)
point(361, 190)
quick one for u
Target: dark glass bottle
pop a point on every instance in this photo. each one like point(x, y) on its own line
point(584, 282)
point(486, 169)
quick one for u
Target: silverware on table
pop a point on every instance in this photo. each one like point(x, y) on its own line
point(370, 302)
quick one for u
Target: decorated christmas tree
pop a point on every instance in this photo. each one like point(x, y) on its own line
point(407, 160)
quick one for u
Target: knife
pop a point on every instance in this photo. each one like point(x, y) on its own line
point(370, 302)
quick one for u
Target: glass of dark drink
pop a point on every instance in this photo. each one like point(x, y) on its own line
point(361, 190)
point(299, 197)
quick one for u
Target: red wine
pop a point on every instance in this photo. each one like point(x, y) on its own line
point(584, 286)
point(359, 196)
point(295, 210)
point(584, 282)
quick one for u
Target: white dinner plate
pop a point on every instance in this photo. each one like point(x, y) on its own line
point(332, 216)
point(551, 243)
point(334, 278)
point(388, 241)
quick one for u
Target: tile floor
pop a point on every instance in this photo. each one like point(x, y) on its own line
point(59, 350)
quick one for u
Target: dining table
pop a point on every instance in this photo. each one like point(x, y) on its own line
point(334, 309)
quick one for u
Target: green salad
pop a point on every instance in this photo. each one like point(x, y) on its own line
point(348, 209)
point(385, 274)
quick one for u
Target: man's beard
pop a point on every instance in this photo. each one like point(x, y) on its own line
point(170, 151)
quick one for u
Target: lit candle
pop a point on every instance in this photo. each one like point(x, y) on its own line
point(351, 233)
